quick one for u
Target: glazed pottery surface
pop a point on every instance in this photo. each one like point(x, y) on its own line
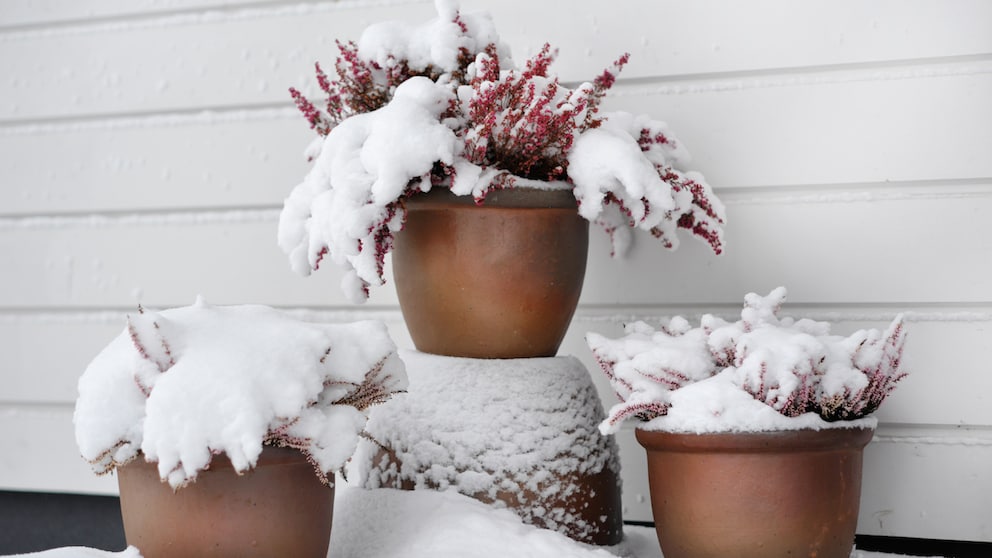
point(500, 280)
point(756, 495)
point(279, 508)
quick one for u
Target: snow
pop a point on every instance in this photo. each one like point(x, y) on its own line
point(370, 158)
point(490, 427)
point(609, 159)
point(188, 383)
point(387, 523)
point(757, 374)
point(349, 206)
point(435, 43)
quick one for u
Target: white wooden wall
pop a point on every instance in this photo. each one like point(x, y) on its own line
point(146, 147)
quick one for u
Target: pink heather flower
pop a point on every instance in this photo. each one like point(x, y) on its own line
point(510, 122)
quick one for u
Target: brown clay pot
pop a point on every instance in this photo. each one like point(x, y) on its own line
point(527, 426)
point(279, 508)
point(592, 498)
point(756, 495)
point(500, 280)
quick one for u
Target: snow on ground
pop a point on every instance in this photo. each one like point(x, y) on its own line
point(519, 430)
point(387, 523)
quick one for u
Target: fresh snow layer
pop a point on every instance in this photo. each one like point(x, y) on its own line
point(718, 404)
point(185, 384)
point(347, 208)
point(759, 373)
point(388, 523)
point(491, 427)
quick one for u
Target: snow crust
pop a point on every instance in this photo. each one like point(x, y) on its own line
point(490, 428)
point(757, 374)
point(188, 383)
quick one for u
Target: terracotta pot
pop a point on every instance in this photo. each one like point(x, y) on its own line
point(279, 508)
point(593, 499)
point(519, 434)
point(500, 280)
point(756, 495)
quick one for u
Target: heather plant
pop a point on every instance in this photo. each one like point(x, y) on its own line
point(794, 367)
point(185, 384)
point(442, 105)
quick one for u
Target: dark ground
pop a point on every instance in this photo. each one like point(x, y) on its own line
point(30, 522)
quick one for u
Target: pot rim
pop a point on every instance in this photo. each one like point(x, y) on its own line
point(440, 197)
point(770, 441)
point(272, 455)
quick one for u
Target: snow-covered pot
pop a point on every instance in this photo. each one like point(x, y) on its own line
point(412, 108)
point(519, 434)
point(226, 423)
point(754, 429)
point(497, 280)
point(278, 508)
point(755, 495)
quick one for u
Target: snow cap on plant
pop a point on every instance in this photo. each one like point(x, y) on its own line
point(188, 383)
point(717, 373)
point(442, 105)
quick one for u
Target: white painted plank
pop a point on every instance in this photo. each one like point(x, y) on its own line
point(17, 13)
point(900, 251)
point(921, 123)
point(45, 357)
point(213, 60)
point(859, 131)
point(40, 453)
point(162, 264)
point(47, 352)
point(203, 161)
point(928, 484)
point(906, 251)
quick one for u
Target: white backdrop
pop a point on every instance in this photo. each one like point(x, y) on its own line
point(146, 147)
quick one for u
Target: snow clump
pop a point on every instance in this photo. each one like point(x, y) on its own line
point(188, 383)
point(759, 373)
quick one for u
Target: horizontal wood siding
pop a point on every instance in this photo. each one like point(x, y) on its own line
point(146, 147)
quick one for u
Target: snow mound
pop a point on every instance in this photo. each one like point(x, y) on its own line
point(185, 384)
point(520, 433)
point(386, 523)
